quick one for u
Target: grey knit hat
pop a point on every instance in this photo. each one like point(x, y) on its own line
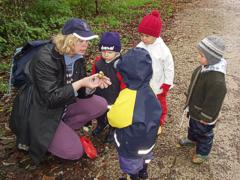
point(212, 48)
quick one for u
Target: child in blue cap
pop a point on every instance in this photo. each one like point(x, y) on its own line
point(110, 47)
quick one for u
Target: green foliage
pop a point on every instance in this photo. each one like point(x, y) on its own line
point(24, 20)
point(3, 87)
point(51, 14)
point(35, 20)
point(4, 67)
point(169, 10)
point(84, 8)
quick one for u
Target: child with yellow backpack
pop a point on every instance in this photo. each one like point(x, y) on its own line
point(135, 114)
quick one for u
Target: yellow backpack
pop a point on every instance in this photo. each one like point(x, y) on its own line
point(120, 114)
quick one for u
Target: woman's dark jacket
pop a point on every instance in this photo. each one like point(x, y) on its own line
point(39, 105)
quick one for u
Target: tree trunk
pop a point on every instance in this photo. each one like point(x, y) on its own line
point(97, 10)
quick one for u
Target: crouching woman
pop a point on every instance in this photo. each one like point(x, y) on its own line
point(58, 96)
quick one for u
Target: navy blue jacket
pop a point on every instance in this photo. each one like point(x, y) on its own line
point(139, 138)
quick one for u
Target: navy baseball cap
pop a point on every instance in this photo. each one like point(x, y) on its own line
point(78, 28)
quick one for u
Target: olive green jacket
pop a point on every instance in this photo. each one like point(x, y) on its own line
point(205, 95)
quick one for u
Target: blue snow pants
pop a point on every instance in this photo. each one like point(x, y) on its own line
point(202, 135)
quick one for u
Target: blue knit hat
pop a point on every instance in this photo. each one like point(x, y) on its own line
point(110, 41)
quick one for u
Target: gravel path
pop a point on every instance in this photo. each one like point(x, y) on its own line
point(197, 20)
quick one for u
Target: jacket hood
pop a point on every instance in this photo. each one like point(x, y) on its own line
point(221, 66)
point(136, 68)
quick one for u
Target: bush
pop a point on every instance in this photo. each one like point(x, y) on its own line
point(30, 22)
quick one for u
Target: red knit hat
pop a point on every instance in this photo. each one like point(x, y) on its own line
point(151, 24)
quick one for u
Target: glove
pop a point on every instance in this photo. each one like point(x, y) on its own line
point(165, 88)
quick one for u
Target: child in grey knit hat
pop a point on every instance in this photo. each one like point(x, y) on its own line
point(205, 96)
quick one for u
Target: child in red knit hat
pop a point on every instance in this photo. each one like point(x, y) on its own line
point(150, 29)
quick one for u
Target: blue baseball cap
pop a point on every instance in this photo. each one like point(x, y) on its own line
point(78, 28)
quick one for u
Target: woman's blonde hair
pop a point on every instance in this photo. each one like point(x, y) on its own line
point(65, 44)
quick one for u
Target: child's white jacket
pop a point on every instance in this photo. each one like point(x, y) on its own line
point(162, 64)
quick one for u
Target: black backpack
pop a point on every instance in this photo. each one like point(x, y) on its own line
point(21, 57)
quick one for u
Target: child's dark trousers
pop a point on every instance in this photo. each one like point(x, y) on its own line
point(202, 135)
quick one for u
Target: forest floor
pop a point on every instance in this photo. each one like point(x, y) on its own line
point(192, 21)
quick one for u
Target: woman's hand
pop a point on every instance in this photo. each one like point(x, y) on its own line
point(95, 80)
point(92, 82)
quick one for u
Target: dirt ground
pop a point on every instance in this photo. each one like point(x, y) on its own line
point(196, 20)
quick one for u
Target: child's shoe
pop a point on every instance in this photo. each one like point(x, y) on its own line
point(110, 136)
point(186, 142)
point(133, 177)
point(99, 129)
point(199, 159)
point(143, 174)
